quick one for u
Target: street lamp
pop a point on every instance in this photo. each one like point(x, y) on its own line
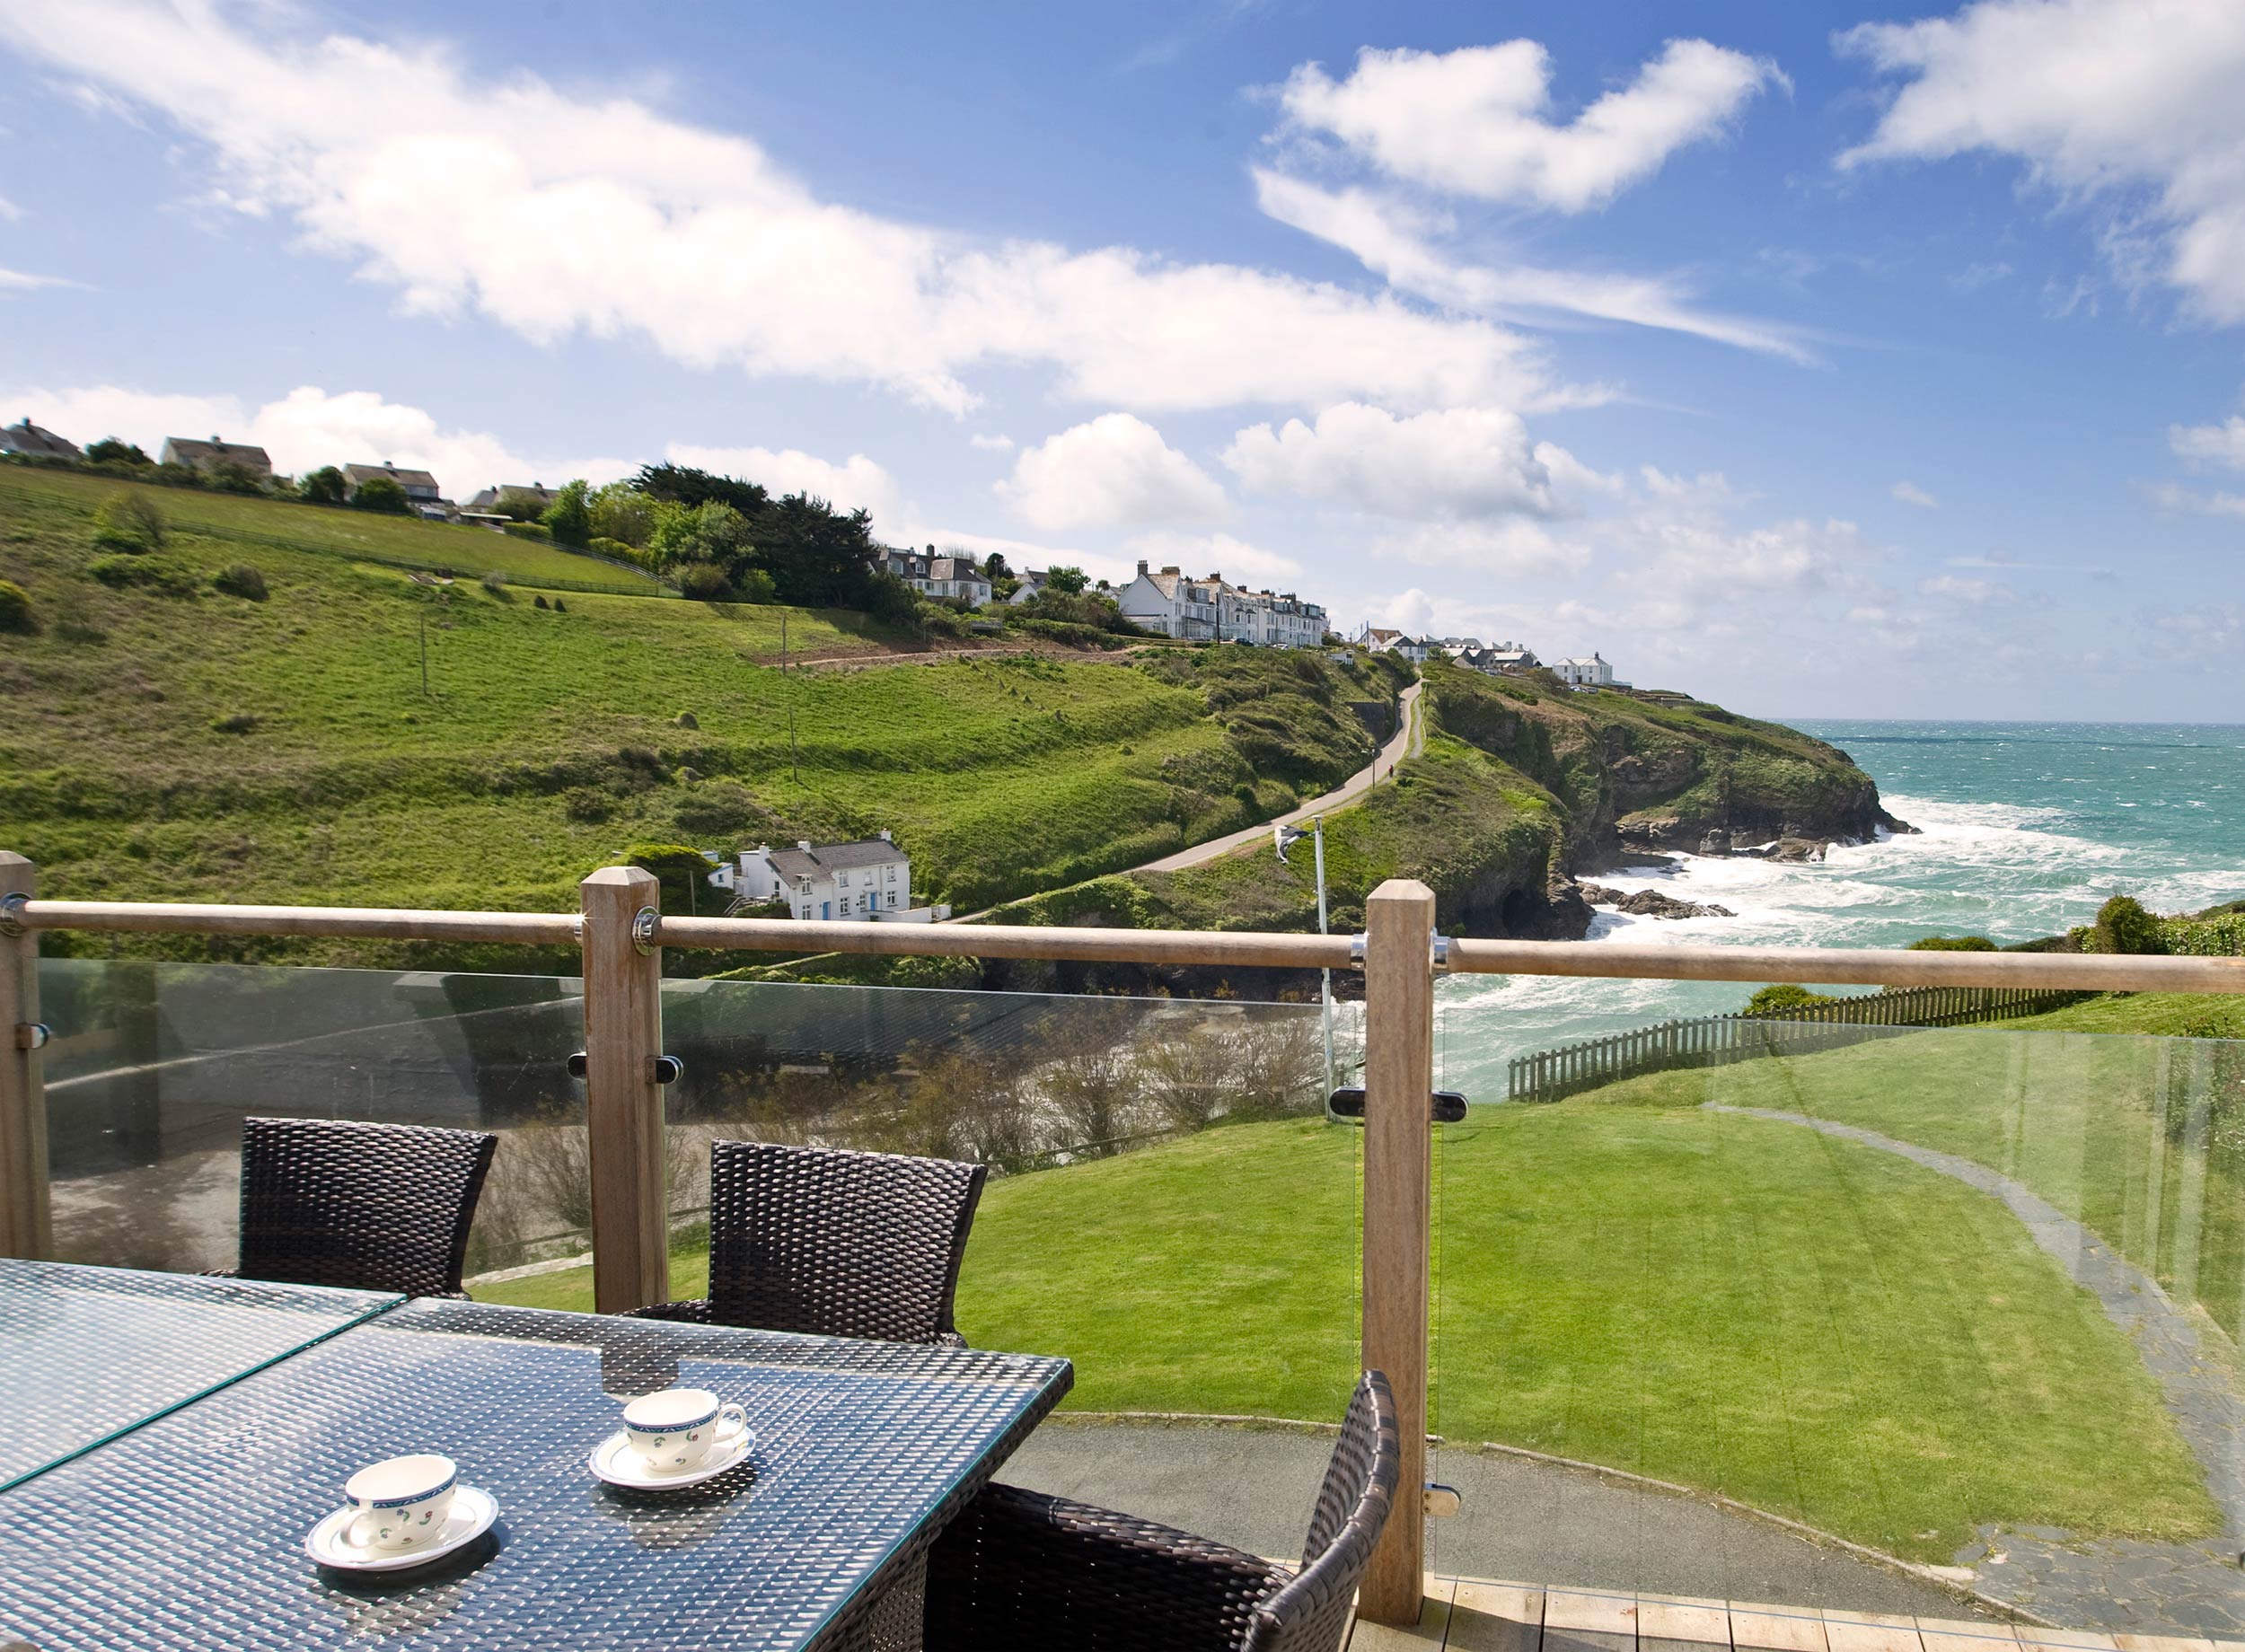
point(1282, 834)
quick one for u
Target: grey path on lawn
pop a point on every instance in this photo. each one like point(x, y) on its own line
point(2113, 1582)
point(1408, 741)
point(1253, 1488)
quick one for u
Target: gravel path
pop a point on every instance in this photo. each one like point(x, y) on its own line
point(2114, 1583)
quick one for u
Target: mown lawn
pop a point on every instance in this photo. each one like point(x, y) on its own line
point(2142, 1139)
point(1810, 1325)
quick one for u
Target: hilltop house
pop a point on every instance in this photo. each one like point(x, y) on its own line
point(31, 441)
point(209, 455)
point(1590, 672)
point(486, 503)
point(1379, 639)
point(1033, 584)
point(421, 487)
point(868, 881)
point(950, 575)
point(1214, 610)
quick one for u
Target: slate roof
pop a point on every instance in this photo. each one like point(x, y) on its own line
point(186, 451)
point(823, 858)
point(408, 479)
point(490, 497)
point(37, 442)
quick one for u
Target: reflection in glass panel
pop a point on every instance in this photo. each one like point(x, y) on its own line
point(1969, 1297)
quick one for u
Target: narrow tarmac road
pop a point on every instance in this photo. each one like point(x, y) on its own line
point(1410, 741)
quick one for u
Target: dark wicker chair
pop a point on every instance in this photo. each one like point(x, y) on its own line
point(1019, 1570)
point(368, 1207)
point(833, 1242)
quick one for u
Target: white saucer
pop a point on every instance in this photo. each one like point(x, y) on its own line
point(471, 1515)
point(614, 1461)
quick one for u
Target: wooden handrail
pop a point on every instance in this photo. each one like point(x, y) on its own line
point(2075, 971)
point(1864, 966)
point(372, 922)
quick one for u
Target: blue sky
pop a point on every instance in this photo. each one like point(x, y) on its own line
point(1824, 360)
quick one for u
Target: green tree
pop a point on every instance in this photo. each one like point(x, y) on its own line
point(228, 477)
point(116, 450)
point(324, 485)
point(129, 521)
point(570, 516)
point(705, 582)
point(520, 504)
point(710, 532)
point(1068, 580)
point(994, 567)
point(2124, 926)
point(381, 492)
point(622, 512)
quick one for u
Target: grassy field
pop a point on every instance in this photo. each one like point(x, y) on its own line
point(2142, 1139)
point(1814, 1327)
point(240, 527)
point(203, 746)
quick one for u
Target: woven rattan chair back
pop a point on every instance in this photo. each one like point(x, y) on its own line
point(369, 1207)
point(1311, 1612)
point(838, 1243)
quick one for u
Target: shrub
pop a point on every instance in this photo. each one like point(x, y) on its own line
point(239, 722)
point(560, 607)
point(531, 530)
point(522, 505)
point(588, 805)
point(128, 521)
point(495, 583)
point(756, 586)
point(382, 494)
point(682, 871)
point(15, 608)
point(241, 580)
point(122, 572)
point(615, 550)
point(228, 477)
point(537, 601)
point(705, 582)
point(1786, 995)
point(324, 485)
point(720, 809)
point(2122, 926)
point(1952, 944)
point(115, 450)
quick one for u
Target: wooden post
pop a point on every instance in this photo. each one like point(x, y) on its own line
point(1398, 1170)
point(623, 1104)
point(26, 1217)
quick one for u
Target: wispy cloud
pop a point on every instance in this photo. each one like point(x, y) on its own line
point(19, 281)
point(1910, 493)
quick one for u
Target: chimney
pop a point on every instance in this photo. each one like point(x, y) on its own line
point(885, 836)
point(1171, 570)
point(804, 844)
point(1141, 568)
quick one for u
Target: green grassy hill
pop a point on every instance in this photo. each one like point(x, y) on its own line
point(170, 740)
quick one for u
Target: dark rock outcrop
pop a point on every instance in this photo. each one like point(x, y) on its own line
point(1651, 903)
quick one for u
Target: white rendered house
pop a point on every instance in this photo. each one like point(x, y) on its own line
point(869, 880)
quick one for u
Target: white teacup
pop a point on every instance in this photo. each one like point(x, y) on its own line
point(675, 1430)
point(401, 1501)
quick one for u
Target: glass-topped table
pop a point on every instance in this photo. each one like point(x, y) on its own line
point(187, 1532)
point(88, 1352)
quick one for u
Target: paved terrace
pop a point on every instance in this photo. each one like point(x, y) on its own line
point(1470, 1615)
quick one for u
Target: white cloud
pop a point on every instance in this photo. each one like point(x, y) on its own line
point(1514, 549)
point(998, 443)
point(1468, 463)
point(2172, 497)
point(855, 484)
point(1476, 121)
point(2221, 445)
point(9, 211)
point(1113, 471)
point(20, 281)
point(303, 430)
point(556, 215)
point(1213, 553)
point(1397, 242)
point(1910, 493)
point(2133, 100)
point(1974, 592)
point(1411, 610)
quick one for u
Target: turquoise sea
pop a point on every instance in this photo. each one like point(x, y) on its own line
point(2024, 829)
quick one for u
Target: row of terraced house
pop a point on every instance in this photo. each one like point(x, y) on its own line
point(1213, 610)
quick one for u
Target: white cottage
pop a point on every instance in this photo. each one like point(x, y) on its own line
point(870, 880)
